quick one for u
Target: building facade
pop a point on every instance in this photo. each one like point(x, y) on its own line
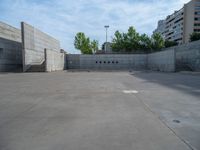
point(160, 28)
point(181, 24)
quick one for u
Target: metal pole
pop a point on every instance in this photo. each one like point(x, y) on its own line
point(106, 26)
point(106, 35)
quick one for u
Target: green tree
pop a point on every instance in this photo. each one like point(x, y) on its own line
point(117, 42)
point(157, 42)
point(170, 43)
point(132, 39)
point(94, 45)
point(194, 36)
point(126, 42)
point(145, 43)
point(82, 43)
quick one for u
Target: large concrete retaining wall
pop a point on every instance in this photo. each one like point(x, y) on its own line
point(188, 56)
point(107, 62)
point(10, 48)
point(54, 60)
point(162, 61)
point(34, 43)
point(178, 58)
point(73, 61)
point(28, 46)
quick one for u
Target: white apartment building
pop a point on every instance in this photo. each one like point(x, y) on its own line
point(181, 24)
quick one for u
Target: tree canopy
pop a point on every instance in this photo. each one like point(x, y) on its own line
point(84, 44)
point(194, 36)
point(157, 42)
point(170, 43)
point(94, 45)
point(129, 42)
point(132, 41)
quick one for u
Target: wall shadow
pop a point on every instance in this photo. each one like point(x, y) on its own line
point(187, 83)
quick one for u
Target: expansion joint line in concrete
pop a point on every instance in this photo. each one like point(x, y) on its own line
point(148, 108)
point(18, 115)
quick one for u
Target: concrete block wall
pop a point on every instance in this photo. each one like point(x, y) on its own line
point(27, 47)
point(34, 43)
point(188, 56)
point(73, 61)
point(107, 62)
point(54, 60)
point(10, 48)
point(162, 61)
point(10, 33)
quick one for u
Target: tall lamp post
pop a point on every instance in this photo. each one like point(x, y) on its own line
point(106, 26)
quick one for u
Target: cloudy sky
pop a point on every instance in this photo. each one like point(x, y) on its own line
point(64, 18)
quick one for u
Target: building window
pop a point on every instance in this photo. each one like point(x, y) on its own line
point(197, 13)
point(197, 19)
point(178, 20)
point(196, 30)
point(197, 8)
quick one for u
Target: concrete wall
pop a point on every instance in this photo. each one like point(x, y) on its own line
point(10, 48)
point(184, 57)
point(73, 61)
point(10, 33)
point(28, 46)
point(162, 61)
point(54, 60)
point(188, 56)
point(34, 43)
point(107, 62)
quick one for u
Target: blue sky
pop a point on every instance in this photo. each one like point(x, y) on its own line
point(64, 18)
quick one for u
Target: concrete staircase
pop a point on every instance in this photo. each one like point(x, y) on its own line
point(37, 68)
point(184, 66)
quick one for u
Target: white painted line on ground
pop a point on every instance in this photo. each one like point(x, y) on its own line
point(130, 91)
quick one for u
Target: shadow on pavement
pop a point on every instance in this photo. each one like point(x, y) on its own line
point(189, 83)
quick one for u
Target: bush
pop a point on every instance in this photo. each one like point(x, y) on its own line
point(170, 43)
point(194, 36)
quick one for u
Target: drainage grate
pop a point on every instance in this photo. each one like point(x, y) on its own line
point(176, 121)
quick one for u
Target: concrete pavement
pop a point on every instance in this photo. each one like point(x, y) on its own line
point(90, 111)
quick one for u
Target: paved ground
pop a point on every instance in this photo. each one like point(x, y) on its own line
point(90, 111)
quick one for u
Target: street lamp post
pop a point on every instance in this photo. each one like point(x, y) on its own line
point(106, 26)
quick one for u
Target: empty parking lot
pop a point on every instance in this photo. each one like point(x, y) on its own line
point(100, 111)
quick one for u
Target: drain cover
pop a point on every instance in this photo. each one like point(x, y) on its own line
point(176, 121)
point(130, 91)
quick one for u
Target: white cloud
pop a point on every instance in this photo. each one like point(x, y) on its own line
point(64, 18)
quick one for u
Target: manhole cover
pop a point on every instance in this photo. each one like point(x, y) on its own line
point(176, 121)
point(130, 91)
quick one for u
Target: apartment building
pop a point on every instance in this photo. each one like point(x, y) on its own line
point(161, 28)
point(181, 24)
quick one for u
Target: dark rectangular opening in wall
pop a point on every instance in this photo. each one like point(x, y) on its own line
point(1, 51)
